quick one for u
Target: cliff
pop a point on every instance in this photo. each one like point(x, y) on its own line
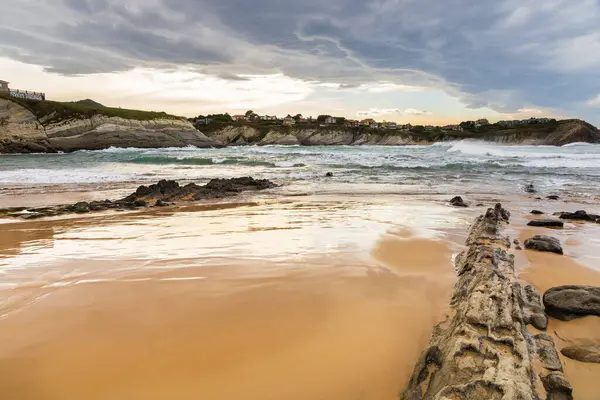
point(558, 134)
point(484, 349)
point(29, 126)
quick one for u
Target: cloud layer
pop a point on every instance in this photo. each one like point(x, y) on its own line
point(502, 54)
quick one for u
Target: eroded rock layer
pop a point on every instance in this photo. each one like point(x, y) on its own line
point(484, 350)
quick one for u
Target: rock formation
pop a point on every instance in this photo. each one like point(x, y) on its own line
point(27, 133)
point(458, 202)
point(589, 353)
point(571, 302)
point(580, 216)
point(161, 194)
point(484, 350)
point(546, 223)
point(545, 244)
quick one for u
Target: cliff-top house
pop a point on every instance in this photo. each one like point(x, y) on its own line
point(4, 87)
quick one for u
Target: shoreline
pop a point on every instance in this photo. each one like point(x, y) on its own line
point(313, 289)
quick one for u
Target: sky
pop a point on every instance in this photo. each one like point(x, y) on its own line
point(417, 61)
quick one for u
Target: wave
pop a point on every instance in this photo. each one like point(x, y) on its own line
point(167, 160)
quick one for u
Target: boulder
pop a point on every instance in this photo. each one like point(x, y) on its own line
point(546, 223)
point(529, 188)
point(553, 197)
point(544, 244)
point(584, 353)
point(580, 216)
point(458, 202)
point(537, 212)
point(161, 203)
point(571, 302)
point(547, 352)
point(329, 174)
point(140, 203)
point(557, 387)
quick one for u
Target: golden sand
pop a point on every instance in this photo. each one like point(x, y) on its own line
point(331, 327)
point(544, 271)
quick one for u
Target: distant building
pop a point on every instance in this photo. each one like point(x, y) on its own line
point(392, 125)
point(429, 127)
point(239, 117)
point(303, 121)
point(374, 125)
point(4, 88)
point(481, 122)
point(406, 127)
point(330, 120)
point(457, 128)
point(367, 122)
point(268, 117)
point(289, 121)
point(203, 121)
point(351, 123)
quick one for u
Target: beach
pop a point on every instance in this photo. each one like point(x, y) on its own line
point(320, 288)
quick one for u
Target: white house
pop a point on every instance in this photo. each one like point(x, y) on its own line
point(288, 121)
point(330, 120)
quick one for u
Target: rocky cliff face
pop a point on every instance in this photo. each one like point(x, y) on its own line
point(23, 132)
point(565, 132)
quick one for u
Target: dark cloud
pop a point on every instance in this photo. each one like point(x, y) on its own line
point(503, 54)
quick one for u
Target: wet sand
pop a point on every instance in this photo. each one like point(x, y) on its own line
point(544, 271)
point(257, 319)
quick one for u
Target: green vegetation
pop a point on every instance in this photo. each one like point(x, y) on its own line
point(54, 111)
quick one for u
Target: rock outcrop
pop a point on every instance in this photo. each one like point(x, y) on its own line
point(161, 194)
point(484, 349)
point(458, 202)
point(571, 302)
point(24, 132)
point(580, 215)
point(589, 353)
point(544, 244)
point(546, 223)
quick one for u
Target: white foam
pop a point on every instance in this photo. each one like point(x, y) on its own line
point(62, 176)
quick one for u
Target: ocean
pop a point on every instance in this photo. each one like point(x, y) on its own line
point(444, 168)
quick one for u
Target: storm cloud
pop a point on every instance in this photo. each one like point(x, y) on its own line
point(502, 54)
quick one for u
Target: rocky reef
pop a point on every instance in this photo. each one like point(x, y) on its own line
point(484, 350)
point(161, 194)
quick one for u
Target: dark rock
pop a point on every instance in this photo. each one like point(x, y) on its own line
point(579, 216)
point(547, 223)
point(516, 241)
point(584, 353)
point(533, 309)
point(538, 198)
point(518, 248)
point(161, 203)
point(557, 386)
point(329, 174)
point(458, 202)
point(553, 197)
point(537, 212)
point(480, 205)
point(81, 207)
point(140, 203)
point(547, 352)
point(545, 244)
point(571, 302)
point(529, 188)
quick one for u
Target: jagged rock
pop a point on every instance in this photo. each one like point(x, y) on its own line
point(529, 188)
point(483, 350)
point(81, 208)
point(544, 244)
point(546, 223)
point(458, 202)
point(580, 216)
point(557, 387)
point(571, 302)
point(533, 309)
point(585, 353)
point(553, 197)
point(537, 212)
point(547, 352)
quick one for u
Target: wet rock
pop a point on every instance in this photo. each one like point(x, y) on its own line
point(329, 174)
point(458, 202)
point(553, 197)
point(140, 203)
point(571, 302)
point(517, 242)
point(81, 208)
point(480, 205)
point(518, 247)
point(584, 353)
point(529, 188)
point(546, 223)
point(547, 352)
point(161, 203)
point(537, 212)
point(557, 387)
point(483, 351)
point(533, 309)
point(544, 244)
point(580, 216)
